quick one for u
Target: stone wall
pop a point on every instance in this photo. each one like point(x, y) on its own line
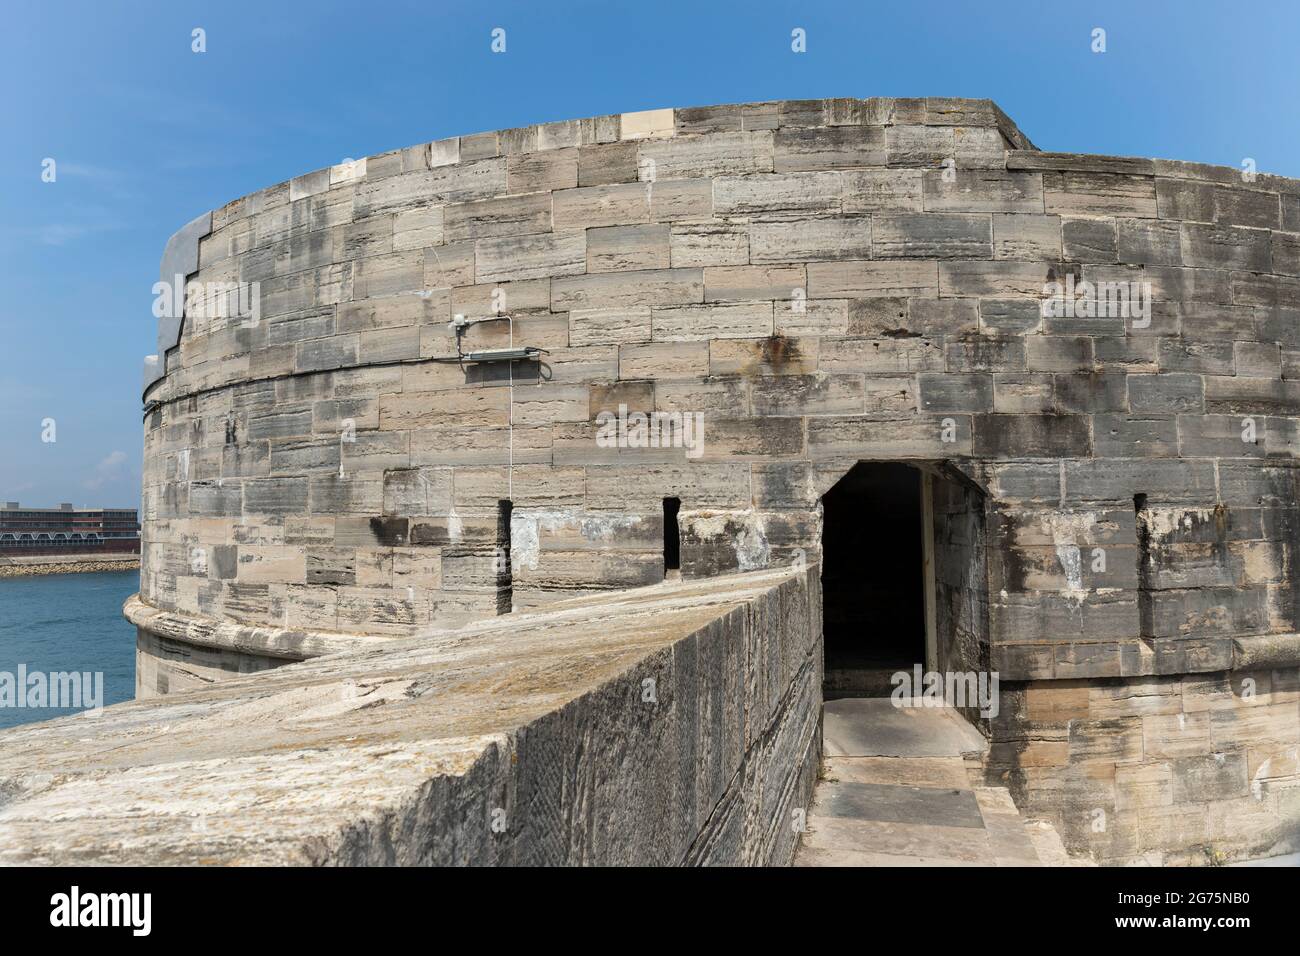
point(671, 725)
point(960, 579)
point(1194, 769)
point(824, 282)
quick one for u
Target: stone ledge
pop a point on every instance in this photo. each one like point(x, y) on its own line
point(1265, 650)
point(1136, 657)
point(288, 644)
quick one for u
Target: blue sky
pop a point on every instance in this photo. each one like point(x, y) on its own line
point(147, 134)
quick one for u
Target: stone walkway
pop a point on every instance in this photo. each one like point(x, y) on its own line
point(897, 791)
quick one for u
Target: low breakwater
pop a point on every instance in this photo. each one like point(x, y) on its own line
point(73, 564)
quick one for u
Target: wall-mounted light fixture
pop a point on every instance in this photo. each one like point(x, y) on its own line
point(503, 355)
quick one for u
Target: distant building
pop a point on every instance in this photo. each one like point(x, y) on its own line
point(67, 530)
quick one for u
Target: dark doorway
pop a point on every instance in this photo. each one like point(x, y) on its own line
point(873, 578)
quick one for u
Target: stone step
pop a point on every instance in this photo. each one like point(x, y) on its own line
point(1008, 839)
point(898, 789)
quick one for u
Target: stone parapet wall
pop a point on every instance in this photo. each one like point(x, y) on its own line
point(678, 724)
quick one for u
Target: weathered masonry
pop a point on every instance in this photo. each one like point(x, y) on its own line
point(529, 739)
point(1030, 412)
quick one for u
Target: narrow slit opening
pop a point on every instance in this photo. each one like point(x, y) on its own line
point(501, 558)
point(672, 538)
point(1142, 532)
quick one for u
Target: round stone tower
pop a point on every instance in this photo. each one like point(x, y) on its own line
point(1034, 413)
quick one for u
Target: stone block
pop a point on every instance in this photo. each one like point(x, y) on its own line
point(339, 494)
point(1090, 393)
point(1209, 777)
point(1169, 393)
point(723, 283)
point(530, 257)
point(870, 279)
point(663, 360)
point(984, 354)
point(811, 240)
point(275, 496)
point(777, 355)
point(388, 274)
point(1213, 358)
point(881, 190)
point(1027, 236)
point(930, 146)
point(1123, 436)
point(1022, 393)
point(1286, 253)
point(712, 243)
point(1033, 436)
point(1058, 353)
point(1150, 242)
point(728, 438)
point(1070, 193)
point(955, 392)
point(448, 266)
point(609, 326)
point(795, 395)
point(994, 279)
point(612, 205)
point(846, 436)
point(983, 190)
point(712, 320)
point(606, 163)
point(681, 200)
point(544, 171)
point(654, 287)
point(624, 248)
point(1089, 240)
point(943, 317)
point(1226, 247)
point(891, 356)
point(794, 195)
point(502, 216)
point(932, 236)
point(829, 148)
point(722, 154)
point(1214, 203)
